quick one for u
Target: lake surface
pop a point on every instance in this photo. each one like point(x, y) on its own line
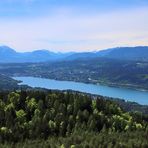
point(138, 96)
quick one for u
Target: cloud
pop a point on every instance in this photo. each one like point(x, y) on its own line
point(65, 30)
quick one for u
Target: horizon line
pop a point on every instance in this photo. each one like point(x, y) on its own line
point(74, 51)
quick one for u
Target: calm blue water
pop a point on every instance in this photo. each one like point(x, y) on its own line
point(128, 94)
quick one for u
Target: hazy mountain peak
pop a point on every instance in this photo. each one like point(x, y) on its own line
point(4, 49)
point(8, 54)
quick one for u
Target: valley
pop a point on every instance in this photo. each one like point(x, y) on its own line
point(118, 73)
point(73, 74)
point(122, 81)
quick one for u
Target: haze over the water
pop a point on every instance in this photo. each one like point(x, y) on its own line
point(72, 25)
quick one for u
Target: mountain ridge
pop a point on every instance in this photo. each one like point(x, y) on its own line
point(9, 55)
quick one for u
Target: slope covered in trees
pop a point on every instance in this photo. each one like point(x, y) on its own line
point(133, 74)
point(7, 83)
point(62, 119)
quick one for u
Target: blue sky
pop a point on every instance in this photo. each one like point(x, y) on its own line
point(73, 25)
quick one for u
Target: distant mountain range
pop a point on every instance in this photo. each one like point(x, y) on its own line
point(9, 55)
point(120, 53)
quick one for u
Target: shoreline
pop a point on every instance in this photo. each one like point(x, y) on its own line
point(133, 87)
point(109, 84)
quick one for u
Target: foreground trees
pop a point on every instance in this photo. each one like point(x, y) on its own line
point(70, 119)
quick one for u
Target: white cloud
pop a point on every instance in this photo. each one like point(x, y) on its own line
point(64, 30)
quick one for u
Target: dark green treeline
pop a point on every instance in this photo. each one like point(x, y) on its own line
point(57, 119)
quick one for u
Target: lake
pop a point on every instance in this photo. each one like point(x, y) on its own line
point(138, 96)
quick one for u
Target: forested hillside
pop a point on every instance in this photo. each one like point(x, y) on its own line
point(56, 119)
point(133, 74)
point(7, 83)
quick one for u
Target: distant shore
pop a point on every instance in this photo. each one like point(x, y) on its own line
point(109, 84)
